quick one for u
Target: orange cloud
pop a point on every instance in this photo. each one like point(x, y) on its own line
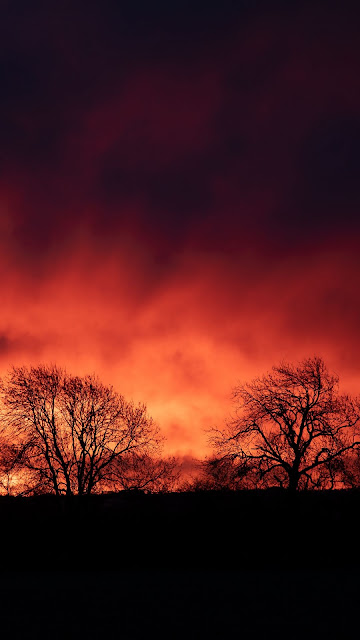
point(182, 347)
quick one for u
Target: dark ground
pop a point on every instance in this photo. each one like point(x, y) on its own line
point(187, 531)
point(202, 565)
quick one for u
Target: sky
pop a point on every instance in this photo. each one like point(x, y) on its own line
point(179, 196)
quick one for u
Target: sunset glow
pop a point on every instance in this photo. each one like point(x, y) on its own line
point(179, 206)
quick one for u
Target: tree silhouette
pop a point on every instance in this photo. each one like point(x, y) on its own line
point(293, 423)
point(10, 468)
point(71, 429)
point(349, 469)
point(145, 472)
point(228, 472)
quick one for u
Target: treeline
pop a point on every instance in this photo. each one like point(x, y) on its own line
point(71, 435)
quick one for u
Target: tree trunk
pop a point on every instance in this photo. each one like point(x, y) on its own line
point(294, 478)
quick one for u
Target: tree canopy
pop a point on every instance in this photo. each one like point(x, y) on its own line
point(291, 427)
point(71, 430)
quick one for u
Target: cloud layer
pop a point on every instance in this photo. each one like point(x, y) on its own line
point(179, 196)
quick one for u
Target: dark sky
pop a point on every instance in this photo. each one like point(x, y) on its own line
point(179, 194)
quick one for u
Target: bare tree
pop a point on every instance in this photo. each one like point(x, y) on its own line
point(228, 472)
point(72, 429)
point(348, 470)
point(143, 471)
point(9, 468)
point(16, 477)
point(293, 423)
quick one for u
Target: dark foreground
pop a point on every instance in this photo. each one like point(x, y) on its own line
point(206, 565)
point(189, 531)
point(180, 604)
